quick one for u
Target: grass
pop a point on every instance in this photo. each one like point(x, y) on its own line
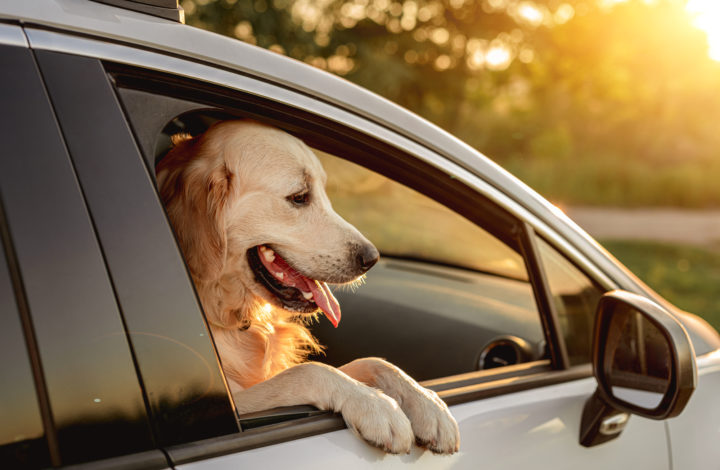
point(687, 276)
point(621, 182)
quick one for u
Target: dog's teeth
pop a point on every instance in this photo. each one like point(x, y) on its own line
point(280, 275)
point(268, 254)
point(307, 295)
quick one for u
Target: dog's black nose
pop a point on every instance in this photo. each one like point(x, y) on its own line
point(367, 256)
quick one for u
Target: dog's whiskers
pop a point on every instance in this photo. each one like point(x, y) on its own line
point(352, 285)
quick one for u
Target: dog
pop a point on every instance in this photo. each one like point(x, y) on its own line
point(262, 242)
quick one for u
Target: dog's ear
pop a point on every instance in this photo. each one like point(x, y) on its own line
point(194, 184)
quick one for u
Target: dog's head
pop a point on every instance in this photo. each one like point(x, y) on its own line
point(249, 208)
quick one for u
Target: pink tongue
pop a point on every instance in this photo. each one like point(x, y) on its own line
point(322, 295)
point(325, 300)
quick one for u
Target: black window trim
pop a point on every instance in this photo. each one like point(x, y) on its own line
point(24, 310)
point(543, 296)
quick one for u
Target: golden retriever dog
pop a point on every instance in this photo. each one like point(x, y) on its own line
point(262, 243)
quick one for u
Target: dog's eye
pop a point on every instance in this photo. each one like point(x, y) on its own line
point(300, 199)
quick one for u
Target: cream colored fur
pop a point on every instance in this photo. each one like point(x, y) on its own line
point(226, 192)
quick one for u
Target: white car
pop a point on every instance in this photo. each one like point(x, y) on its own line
point(549, 352)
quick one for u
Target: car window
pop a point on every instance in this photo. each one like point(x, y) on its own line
point(451, 293)
point(575, 299)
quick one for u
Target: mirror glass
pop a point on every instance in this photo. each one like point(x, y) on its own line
point(637, 360)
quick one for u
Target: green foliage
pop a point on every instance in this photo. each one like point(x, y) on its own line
point(586, 88)
point(686, 276)
point(617, 180)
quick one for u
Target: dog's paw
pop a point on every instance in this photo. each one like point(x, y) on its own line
point(432, 423)
point(378, 419)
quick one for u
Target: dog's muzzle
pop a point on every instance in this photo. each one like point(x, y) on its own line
point(294, 290)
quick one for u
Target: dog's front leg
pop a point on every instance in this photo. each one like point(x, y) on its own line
point(432, 423)
point(374, 416)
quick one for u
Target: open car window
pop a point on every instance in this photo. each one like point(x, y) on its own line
point(448, 296)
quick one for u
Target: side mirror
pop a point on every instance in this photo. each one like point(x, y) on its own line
point(644, 364)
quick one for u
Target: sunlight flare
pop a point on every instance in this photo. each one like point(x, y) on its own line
point(706, 16)
point(498, 57)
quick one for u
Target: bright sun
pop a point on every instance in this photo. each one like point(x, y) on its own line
point(706, 14)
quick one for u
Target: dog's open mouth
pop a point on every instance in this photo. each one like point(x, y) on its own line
point(295, 291)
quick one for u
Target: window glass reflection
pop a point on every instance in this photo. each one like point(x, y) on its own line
point(22, 437)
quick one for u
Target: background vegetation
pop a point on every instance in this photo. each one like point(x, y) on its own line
point(588, 101)
point(685, 275)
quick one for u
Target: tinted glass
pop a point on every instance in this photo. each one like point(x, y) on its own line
point(22, 437)
point(575, 298)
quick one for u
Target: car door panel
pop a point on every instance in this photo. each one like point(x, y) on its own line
point(695, 434)
point(536, 428)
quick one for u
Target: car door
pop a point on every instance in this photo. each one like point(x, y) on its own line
point(528, 413)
